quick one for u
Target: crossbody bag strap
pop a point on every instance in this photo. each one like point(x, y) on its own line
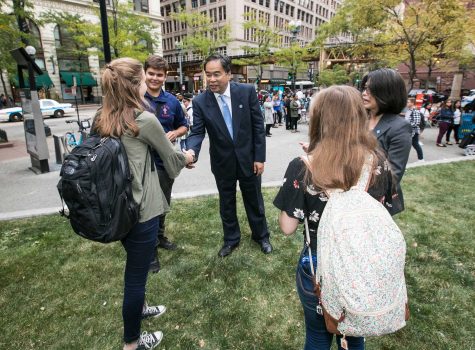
point(307, 243)
point(307, 232)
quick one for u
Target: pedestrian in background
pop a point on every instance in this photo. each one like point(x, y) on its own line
point(277, 109)
point(268, 115)
point(413, 116)
point(445, 118)
point(122, 116)
point(456, 123)
point(294, 113)
point(288, 120)
point(384, 97)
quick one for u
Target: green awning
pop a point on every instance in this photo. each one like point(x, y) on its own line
point(42, 81)
point(82, 78)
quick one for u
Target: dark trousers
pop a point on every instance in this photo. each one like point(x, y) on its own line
point(253, 203)
point(293, 123)
point(166, 184)
point(140, 246)
point(455, 128)
point(417, 146)
point(288, 121)
point(443, 127)
point(277, 117)
point(268, 126)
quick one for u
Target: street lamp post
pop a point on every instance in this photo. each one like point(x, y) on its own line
point(294, 27)
point(179, 46)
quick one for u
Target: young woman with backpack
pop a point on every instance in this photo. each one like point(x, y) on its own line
point(340, 145)
point(123, 116)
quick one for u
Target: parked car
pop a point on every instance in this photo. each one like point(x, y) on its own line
point(470, 97)
point(49, 108)
point(429, 95)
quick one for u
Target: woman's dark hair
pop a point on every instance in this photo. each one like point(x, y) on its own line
point(388, 88)
point(223, 59)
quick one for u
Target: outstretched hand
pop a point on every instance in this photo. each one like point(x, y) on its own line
point(304, 146)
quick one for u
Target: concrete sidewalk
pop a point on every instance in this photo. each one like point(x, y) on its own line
point(24, 194)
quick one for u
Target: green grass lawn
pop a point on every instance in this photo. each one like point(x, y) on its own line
point(60, 291)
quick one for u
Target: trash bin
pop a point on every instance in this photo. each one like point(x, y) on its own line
point(467, 124)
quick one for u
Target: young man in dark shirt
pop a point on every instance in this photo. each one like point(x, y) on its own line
point(170, 115)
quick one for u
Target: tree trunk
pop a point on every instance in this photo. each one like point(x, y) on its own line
point(456, 86)
point(412, 70)
point(5, 89)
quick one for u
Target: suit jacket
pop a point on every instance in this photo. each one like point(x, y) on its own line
point(394, 134)
point(248, 144)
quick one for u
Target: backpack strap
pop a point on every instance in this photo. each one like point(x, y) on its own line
point(366, 175)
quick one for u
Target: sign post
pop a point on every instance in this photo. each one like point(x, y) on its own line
point(35, 136)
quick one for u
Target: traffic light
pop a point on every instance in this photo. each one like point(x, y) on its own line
point(289, 76)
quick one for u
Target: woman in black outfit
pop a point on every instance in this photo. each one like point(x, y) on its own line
point(384, 96)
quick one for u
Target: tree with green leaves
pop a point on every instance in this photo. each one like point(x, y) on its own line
point(295, 57)
point(335, 76)
point(130, 34)
point(204, 37)
point(264, 38)
point(409, 32)
point(12, 37)
point(77, 36)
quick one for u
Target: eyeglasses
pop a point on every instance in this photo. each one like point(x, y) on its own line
point(366, 90)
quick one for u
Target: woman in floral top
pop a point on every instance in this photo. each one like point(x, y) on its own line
point(340, 144)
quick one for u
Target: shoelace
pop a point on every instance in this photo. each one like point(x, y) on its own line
point(147, 340)
point(151, 310)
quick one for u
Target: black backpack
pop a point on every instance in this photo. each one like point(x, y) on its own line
point(96, 185)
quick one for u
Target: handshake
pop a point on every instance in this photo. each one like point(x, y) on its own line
point(190, 158)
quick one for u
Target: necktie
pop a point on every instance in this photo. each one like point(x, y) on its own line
point(227, 115)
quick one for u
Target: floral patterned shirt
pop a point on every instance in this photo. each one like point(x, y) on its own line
point(299, 198)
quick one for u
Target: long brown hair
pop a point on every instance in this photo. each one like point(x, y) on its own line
point(121, 82)
point(340, 141)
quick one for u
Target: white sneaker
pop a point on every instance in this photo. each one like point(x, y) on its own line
point(421, 161)
point(149, 340)
point(420, 143)
point(153, 311)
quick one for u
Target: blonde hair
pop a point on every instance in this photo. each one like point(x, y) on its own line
point(121, 82)
point(340, 141)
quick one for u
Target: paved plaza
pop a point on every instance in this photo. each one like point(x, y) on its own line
point(23, 193)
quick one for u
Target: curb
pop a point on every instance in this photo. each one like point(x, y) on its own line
point(55, 210)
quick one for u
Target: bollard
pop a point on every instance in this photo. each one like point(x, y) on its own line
point(59, 148)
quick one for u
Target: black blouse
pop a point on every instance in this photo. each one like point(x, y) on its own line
point(299, 198)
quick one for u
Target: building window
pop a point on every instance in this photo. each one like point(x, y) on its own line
point(141, 5)
point(194, 3)
point(202, 2)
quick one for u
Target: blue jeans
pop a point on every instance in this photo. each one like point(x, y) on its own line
point(140, 247)
point(316, 335)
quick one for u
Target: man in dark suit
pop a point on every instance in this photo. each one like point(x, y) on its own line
point(231, 115)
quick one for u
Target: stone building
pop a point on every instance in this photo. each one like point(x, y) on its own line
point(62, 71)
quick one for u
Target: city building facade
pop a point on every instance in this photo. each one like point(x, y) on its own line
point(61, 71)
point(278, 14)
